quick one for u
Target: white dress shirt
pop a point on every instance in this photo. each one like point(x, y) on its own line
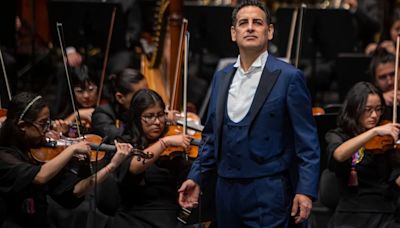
point(243, 87)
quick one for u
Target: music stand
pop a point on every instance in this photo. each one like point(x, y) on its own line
point(86, 24)
point(209, 28)
point(327, 31)
point(350, 69)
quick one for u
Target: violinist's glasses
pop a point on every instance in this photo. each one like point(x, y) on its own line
point(90, 89)
point(45, 126)
point(378, 110)
point(151, 117)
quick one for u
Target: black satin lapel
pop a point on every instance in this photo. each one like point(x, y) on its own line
point(267, 82)
point(222, 97)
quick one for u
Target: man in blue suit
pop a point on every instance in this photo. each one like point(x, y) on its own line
point(260, 136)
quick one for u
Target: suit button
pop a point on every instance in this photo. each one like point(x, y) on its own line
point(267, 139)
point(272, 114)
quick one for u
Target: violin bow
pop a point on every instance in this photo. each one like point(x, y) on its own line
point(396, 76)
point(103, 71)
point(60, 39)
point(299, 34)
point(185, 81)
point(5, 77)
point(291, 34)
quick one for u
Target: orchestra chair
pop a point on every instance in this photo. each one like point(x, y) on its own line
point(324, 206)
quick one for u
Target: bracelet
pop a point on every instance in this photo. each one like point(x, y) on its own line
point(163, 144)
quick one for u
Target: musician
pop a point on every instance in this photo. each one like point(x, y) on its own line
point(260, 136)
point(368, 15)
point(390, 42)
point(109, 119)
point(148, 191)
point(382, 70)
point(85, 91)
point(122, 52)
point(25, 183)
point(365, 178)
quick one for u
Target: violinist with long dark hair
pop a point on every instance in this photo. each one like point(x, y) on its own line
point(365, 178)
point(148, 191)
point(25, 183)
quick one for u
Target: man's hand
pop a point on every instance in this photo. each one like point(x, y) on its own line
point(74, 59)
point(189, 194)
point(351, 4)
point(301, 208)
point(389, 95)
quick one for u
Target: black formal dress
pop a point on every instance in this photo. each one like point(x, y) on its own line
point(23, 202)
point(371, 203)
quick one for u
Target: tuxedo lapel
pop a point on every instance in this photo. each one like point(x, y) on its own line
point(222, 98)
point(267, 82)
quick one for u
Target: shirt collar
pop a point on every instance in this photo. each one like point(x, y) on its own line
point(259, 62)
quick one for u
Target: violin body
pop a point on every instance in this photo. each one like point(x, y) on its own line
point(380, 144)
point(193, 150)
point(3, 112)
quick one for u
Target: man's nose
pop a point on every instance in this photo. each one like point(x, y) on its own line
point(250, 26)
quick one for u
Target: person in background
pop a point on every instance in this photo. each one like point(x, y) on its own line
point(260, 137)
point(368, 16)
point(110, 119)
point(382, 70)
point(365, 177)
point(24, 182)
point(388, 44)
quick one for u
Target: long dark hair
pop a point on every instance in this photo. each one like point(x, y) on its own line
point(122, 82)
point(10, 134)
point(354, 105)
point(143, 99)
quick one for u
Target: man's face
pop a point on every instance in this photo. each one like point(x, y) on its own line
point(384, 76)
point(251, 31)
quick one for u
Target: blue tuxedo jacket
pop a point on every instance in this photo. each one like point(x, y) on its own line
point(282, 128)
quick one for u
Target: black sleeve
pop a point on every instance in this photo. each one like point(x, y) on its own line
point(334, 139)
point(61, 189)
point(124, 176)
point(103, 124)
point(15, 174)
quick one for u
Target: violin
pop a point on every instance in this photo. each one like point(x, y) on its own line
point(381, 144)
point(3, 112)
point(54, 147)
point(191, 152)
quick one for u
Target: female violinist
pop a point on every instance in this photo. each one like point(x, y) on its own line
point(148, 191)
point(84, 86)
point(24, 183)
point(365, 178)
point(109, 119)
